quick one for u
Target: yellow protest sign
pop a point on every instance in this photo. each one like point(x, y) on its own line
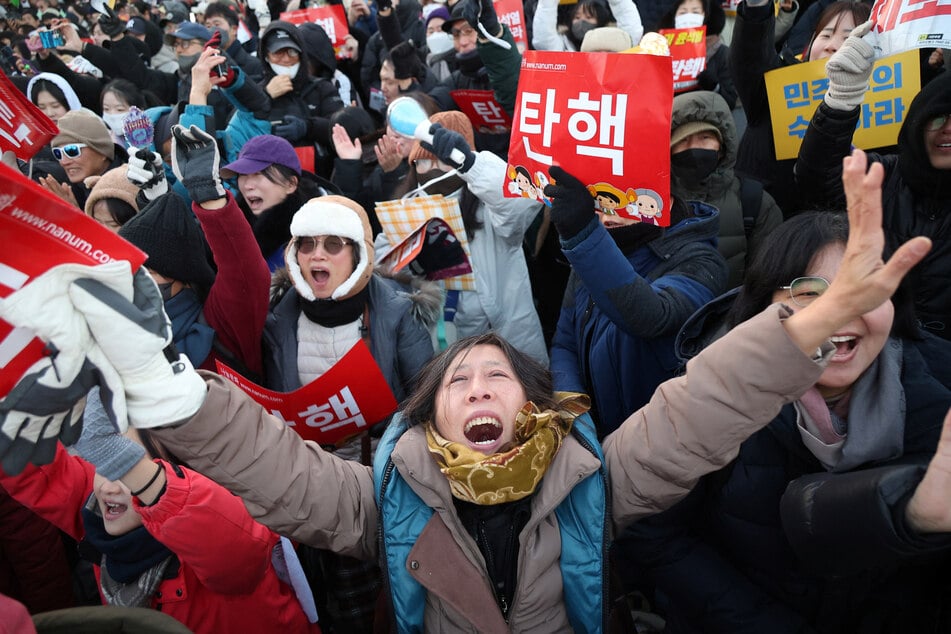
point(795, 91)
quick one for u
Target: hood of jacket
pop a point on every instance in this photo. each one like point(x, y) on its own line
point(916, 169)
point(319, 48)
point(280, 25)
point(408, 12)
point(711, 108)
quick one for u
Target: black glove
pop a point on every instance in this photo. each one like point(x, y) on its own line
point(707, 80)
point(383, 5)
point(572, 206)
point(110, 23)
point(476, 11)
point(292, 128)
point(195, 162)
point(444, 142)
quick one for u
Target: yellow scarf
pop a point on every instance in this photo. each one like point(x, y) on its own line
point(515, 472)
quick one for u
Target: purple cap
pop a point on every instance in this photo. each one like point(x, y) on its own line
point(260, 153)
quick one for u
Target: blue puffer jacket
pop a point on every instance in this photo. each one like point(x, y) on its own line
point(621, 312)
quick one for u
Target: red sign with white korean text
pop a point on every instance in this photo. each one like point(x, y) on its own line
point(485, 113)
point(345, 401)
point(24, 128)
point(46, 231)
point(603, 117)
point(901, 25)
point(688, 55)
point(330, 18)
point(512, 14)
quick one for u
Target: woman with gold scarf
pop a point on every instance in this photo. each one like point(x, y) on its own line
point(489, 504)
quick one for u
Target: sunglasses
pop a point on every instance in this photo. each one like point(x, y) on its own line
point(73, 150)
point(332, 244)
point(803, 290)
point(938, 122)
point(466, 31)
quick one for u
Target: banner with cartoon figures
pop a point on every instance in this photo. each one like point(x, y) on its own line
point(604, 117)
point(688, 55)
point(46, 231)
point(901, 25)
point(794, 93)
point(345, 401)
point(512, 14)
point(331, 18)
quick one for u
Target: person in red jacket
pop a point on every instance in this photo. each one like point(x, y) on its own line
point(182, 544)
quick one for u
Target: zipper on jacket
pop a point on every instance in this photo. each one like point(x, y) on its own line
point(605, 536)
point(384, 567)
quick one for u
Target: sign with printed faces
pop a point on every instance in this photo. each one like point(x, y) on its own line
point(603, 117)
point(47, 231)
point(344, 402)
point(688, 55)
point(795, 92)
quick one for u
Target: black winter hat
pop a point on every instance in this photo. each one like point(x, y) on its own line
point(171, 237)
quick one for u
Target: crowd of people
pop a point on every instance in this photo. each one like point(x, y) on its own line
point(737, 422)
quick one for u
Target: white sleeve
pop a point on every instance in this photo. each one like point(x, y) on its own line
point(545, 35)
point(627, 18)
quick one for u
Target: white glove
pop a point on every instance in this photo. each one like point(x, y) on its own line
point(147, 172)
point(161, 387)
point(848, 70)
point(46, 404)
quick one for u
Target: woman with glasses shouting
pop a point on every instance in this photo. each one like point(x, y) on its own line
point(816, 505)
point(83, 148)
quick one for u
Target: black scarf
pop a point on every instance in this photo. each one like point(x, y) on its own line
point(272, 228)
point(126, 556)
point(331, 313)
point(629, 238)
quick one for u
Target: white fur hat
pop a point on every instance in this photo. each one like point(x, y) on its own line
point(332, 216)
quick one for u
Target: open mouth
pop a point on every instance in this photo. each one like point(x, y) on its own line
point(844, 344)
point(114, 511)
point(483, 431)
point(320, 275)
point(254, 201)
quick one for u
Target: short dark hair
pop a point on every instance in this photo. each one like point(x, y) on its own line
point(220, 9)
point(536, 380)
point(120, 211)
point(786, 253)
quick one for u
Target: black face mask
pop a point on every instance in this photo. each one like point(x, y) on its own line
point(165, 288)
point(580, 28)
point(694, 165)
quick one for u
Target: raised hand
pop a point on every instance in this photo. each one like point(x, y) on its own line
point(346, 149)
point(572, 207)
point(195, 161)
point(929, 509)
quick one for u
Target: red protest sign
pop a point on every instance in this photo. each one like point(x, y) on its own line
point(345, 401)
point(604, 117)
point(24, 129)
point(512, 14)
point(330, 18)
point(688, 55)
point(485, 113)
point(432, 250)
point(46, 231)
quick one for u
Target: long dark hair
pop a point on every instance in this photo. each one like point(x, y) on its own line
point(55, 91)
point(786, 254)
point(536, 380)
point(859, 10)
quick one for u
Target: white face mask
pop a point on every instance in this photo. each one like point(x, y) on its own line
point(290, 71)
point(688, 20)
point(439, 42)
point(114, 120)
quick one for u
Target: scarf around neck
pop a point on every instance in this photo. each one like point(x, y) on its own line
point(513, 473)
point(331, 313)
point(191, 336)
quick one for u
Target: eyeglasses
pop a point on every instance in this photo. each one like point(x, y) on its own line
point(285, 52)
point(938, 122)
point(803, 290)
point(332, 244)
point(73, 150)
point(183, 45)
point(465, 31)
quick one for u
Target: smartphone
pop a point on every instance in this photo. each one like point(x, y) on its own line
point(51, 39)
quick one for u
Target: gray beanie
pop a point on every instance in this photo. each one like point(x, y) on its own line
point(82, 126)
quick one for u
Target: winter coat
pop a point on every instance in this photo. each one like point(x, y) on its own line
point(722, 188)
point(775, 543)
point(412, 28)
point(399, 336)
point(545, 35)
point(502, 300)
point(653, 460)
point(916, 197)
point(222, 578)
point(717, 73)
point(252, 66)
point(752, 54)
point(615, 334)
point(236, 306)
point(313, 99)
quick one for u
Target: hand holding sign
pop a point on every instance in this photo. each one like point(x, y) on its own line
point(572, 207)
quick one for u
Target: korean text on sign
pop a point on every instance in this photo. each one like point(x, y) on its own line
point(24, 129)
point(901, 25)
point(688, 55)
point(512, 15)
point(795, 92)
point(485, 113)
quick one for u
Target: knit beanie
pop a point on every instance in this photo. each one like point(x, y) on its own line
point(451, 120)
point(82, 126)
point(113, 184)
point(170, 235)
point(693, 127)
point(332, 216)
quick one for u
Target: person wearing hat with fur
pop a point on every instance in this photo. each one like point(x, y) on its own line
point(703, 146)
point(214, 314)
point(113, 199)
point(495, 227)
point(83, 148)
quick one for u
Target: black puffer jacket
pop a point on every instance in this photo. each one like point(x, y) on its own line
point(313, 99)
point(412, 28)
point(916, 196)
